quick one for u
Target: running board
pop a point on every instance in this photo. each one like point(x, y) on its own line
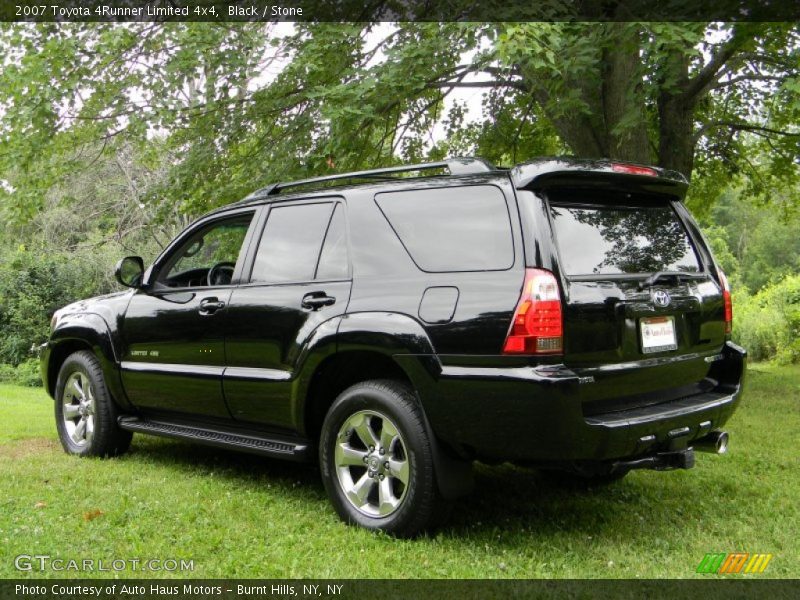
point(286, 449)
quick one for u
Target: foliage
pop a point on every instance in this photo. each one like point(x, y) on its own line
point(26, 373)
point(33, 285)
point(768, 323)
point(755, 239)
point(68, 250)
point(239, 105)
point(756, 243)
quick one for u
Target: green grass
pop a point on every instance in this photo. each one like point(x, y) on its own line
point(242, 516)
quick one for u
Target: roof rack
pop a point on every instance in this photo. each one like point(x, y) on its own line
point(456, 166)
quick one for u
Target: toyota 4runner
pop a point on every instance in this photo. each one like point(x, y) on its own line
point(399, 323)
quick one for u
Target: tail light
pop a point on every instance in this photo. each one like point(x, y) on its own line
point(633, 170)
point(726, 299)
point(537, 325)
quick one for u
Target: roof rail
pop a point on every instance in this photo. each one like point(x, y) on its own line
point(456, 166)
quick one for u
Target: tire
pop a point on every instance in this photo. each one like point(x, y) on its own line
point(393, 487)
point(86, 416)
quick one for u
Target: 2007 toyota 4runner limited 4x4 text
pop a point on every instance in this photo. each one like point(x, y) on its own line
point(399, 323)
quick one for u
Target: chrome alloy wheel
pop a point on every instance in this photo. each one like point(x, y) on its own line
point(78, 409)
point(371, 463)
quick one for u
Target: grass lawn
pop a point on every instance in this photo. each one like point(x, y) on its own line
point(242, 516)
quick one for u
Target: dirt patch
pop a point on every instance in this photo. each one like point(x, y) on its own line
point(28, 447)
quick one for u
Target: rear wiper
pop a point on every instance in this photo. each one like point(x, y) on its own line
point(677, 275)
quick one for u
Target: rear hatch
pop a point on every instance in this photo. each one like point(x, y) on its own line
point(643, 312)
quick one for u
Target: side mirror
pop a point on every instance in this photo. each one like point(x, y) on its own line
point(129, 271)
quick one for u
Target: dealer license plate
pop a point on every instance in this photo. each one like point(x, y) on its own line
point(658, 334)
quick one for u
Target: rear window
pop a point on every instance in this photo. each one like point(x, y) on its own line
point(452, 229)
point(615, 239)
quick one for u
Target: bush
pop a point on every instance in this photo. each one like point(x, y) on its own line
point(34, 284)
point(26, 373)
point(768, 323)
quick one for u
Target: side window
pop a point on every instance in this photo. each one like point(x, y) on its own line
point(209, 256)
point(333, 259)
point(290, 245)
point(452, 229)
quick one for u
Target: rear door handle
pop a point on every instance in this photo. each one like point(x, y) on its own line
point(316, 300)
point(208, 306)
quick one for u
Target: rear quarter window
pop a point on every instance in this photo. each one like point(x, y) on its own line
point(466, 228)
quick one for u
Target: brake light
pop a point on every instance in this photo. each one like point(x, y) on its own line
point(726, 299)
point(633, 170)
point(537, 325)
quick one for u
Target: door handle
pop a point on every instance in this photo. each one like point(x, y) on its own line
point(208, 306)
point(316, 300)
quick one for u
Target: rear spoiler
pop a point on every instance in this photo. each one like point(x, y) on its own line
point(607, 175)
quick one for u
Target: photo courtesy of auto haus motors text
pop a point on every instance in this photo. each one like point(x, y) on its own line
point(123, 590)
point(331, 300)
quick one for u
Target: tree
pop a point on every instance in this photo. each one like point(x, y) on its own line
point(655, 92)
point(239, 106)
point(756, 242)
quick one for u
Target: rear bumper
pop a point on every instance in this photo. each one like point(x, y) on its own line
point(537, 414)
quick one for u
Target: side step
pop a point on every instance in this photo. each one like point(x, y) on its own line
point(284, 448)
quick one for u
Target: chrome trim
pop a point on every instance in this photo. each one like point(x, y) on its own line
point(257, 373)
point(172, 369)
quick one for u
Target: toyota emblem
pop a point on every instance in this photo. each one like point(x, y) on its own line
point(661, 298)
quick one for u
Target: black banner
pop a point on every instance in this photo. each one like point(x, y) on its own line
point(397, 10)
point(359, 589)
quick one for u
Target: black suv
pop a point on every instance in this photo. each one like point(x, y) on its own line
point(402, 322)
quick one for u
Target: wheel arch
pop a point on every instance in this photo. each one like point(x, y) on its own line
point(362, 346)
point(82, 332)
point(338, 372)
point(380, 346)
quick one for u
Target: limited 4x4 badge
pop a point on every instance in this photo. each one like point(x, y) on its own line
point(144, 352)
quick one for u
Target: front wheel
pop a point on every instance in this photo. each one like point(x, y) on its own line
point(376, 460)
point(86, 416)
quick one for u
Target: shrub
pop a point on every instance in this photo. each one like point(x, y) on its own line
point(33, 285)
point(25, 373)
point(768, 323)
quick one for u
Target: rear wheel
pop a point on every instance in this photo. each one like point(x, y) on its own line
point(377, 460)
point(86, 416)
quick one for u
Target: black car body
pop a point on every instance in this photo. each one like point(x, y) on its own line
point(562, 313)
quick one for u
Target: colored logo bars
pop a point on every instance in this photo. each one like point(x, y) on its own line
point(734, 562)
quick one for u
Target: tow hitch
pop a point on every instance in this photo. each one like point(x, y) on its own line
point(661, 461)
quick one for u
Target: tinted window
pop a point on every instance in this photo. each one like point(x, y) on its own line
point(333, 259)
point(217, 245)
point(291, 242)
point(609, 239)
point(452, 229)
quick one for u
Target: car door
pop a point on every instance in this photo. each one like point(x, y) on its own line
point(299, 281)
point(173, 329)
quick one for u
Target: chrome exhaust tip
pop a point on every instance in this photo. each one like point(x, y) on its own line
point(716, 442)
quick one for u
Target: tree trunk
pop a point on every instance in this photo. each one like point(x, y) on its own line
point(676, 133)
point(614, 123)
point(676, 116)
point(622, 101)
